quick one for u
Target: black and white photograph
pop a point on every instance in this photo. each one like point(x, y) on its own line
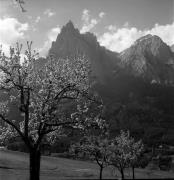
point(86, 89)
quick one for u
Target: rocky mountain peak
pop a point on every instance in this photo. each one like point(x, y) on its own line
point(70, 43)
point(151, 43)
point(65, 41)
point(70, 25)
point(69, 29)
point(149, 38)
point(149, 57)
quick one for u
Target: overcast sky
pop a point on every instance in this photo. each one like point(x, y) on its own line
point(116, 23)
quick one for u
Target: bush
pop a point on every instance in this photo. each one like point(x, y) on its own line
point(60, 146)
point(165, 163)
point(168, 152)
point(17, 146)
point(144, 160)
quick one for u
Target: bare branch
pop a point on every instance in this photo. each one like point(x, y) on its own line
point(61, 123)
point(16, 128)
point(65, 89)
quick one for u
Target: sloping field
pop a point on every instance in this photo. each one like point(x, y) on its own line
point(14, 166)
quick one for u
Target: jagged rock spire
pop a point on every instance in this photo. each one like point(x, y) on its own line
point(69, 27)
point(69, 24)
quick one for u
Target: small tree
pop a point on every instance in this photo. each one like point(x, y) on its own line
point(125, 152)
point(136, 149)
point(41, 96)
point(96, 148)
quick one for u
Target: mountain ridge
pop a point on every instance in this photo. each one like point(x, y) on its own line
point(148, 57)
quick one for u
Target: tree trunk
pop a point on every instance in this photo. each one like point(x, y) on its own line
point(133, 172)
point(153, 150)
point(35, 157)
point(122, 173)
point(101, 171)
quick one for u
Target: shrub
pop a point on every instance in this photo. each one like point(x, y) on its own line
point(165, 163)
point(144, 160)
point(17, 146)
point(168, 152)
point(60, 146)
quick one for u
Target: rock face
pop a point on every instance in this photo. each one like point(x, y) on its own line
point(150, 58)
point(172, 48)
point(70, 43)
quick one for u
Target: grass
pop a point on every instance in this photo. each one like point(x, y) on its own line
point(14, 166)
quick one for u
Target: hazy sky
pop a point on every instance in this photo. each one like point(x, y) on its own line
point(116, 23)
